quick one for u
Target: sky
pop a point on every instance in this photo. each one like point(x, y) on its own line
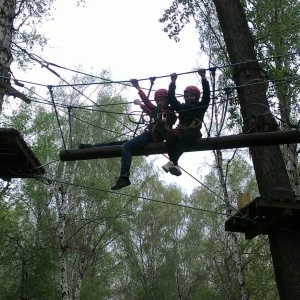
point(126, 38)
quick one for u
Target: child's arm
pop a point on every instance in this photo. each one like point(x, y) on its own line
point(202, 73)
point(135, 84)
point(205, 87)
point(175, 104)
point(142, 106)
point(144, 98)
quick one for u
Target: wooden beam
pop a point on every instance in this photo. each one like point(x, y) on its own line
point(12, 91)
point(261, 215)
point(203, 144)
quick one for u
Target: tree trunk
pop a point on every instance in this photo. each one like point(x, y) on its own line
point(6, 28)
point(271, 174)
point(62, 213)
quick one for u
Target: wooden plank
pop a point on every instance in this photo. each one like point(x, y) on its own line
point(264, 203)
point(203, 144)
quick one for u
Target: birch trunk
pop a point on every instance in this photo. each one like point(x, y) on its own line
point(291, 158)
point(8, 8)
point(80, 267)
point(61, 205)
point(286, 97)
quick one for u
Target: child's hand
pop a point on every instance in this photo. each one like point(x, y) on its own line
point(202, 72)
point(137, 102)
point(135, 83)
point(173, 77)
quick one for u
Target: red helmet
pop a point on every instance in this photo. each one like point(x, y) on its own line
point(194, 90)
point(161, 93)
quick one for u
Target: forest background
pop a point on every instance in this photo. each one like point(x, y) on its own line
point(66, 236)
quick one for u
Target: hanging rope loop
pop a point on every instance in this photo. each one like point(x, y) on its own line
point(213, 73)
point(50, 88)
point(152, 79)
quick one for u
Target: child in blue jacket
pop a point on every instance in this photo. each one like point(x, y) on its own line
point(191, 114)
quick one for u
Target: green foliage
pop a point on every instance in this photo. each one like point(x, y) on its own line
point(214, 244)
point(259, 269)
point(25, 32)
point(177, 16)
point(141, 243)
point(26, 258)
point(275, 28)
point(159, 256)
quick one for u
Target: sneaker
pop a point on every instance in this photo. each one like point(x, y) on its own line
point(175, 170)
point(82, 146)
point(120, 183)
point(167, 166)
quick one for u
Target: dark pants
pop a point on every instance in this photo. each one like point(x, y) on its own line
point(137, 142)
point(176, 143)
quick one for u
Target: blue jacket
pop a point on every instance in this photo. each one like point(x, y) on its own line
point(188, 112)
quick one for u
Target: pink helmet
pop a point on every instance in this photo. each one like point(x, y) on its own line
point(161, 93)
point(194, 90)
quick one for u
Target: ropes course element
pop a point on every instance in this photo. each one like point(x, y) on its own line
point(213, 73)
point(200, 144)
point(51, 180)
point(57, 118)
point(152, 79)
point(204, 144)
point(113, 149)
point(140, 121)
point(70, 125)
point(16, 158)
point(227, 91)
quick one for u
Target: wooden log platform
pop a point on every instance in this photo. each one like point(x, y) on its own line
point(201, 144)
point(16, 158)
point(260, 216)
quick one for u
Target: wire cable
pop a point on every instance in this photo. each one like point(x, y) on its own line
point(133, 196)
point(62, 136)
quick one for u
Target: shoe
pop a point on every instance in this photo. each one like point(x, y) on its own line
point(175, 170)
point(120, 183)
point(82, 146)
point(167, 166)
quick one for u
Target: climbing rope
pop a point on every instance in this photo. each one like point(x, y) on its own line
point(152, 79)
point(54, 106)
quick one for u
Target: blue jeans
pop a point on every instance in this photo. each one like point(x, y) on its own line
point(137, 142)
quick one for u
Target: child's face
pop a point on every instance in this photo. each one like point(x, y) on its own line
point(189, 97)
point(161, 102)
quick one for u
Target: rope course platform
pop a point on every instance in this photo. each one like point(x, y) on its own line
point(16, 158)
point(201, 144)
point(262, 215)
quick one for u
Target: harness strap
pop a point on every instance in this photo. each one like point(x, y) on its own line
point(196, 123)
